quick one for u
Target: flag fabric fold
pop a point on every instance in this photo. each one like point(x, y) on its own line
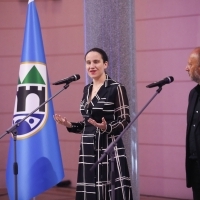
point(38, 151)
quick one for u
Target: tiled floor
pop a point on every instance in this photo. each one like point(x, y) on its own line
point(58, 193)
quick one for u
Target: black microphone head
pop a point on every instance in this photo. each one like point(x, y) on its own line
point(166, 80)
point(170, 78)
point(67, 80)
point(77, 77)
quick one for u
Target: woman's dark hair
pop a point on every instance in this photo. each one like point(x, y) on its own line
point(100, 51)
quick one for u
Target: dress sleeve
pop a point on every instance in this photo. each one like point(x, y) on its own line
point(122, 115)
point(77, 127)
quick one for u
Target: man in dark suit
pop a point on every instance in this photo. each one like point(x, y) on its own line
point(193, 126)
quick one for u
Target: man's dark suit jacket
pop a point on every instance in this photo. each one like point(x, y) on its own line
point(191, 106)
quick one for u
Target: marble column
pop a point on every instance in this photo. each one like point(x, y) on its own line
point(109, 24)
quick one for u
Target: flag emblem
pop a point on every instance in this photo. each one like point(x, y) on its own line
point(31, 92)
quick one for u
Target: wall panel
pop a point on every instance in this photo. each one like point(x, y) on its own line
point(162, 129)
point(165, 9)
point(169, 33)
point(166, 32)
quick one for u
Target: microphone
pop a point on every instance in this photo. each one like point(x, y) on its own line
point(166, 80)
point(68, 80)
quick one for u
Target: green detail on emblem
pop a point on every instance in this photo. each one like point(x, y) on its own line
point(19, 82)
point(34, 77)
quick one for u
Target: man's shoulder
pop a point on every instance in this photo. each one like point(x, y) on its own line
point(194, 90)
point(197, 87)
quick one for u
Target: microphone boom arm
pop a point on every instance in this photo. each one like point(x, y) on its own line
point(110, 148)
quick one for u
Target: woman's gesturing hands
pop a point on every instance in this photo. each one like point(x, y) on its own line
point(62, 120)
point(102, 125)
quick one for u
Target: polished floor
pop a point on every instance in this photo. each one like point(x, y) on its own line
point(59, 193)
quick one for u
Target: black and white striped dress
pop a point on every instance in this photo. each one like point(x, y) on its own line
point(110, 102)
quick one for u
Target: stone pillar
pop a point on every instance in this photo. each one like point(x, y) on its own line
point(109, 24)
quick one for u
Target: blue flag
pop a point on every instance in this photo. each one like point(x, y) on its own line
point(38, 152)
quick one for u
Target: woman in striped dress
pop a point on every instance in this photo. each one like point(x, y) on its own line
point(105, 111)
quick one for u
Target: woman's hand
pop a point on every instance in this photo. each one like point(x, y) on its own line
point(62, 120)
point(102, 125)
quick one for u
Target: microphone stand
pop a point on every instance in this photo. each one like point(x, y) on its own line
point(13, 130)
point(110, 148)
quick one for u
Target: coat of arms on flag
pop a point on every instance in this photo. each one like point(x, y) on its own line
point(31, 93)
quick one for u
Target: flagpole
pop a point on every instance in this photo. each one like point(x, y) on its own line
point(15, 165)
